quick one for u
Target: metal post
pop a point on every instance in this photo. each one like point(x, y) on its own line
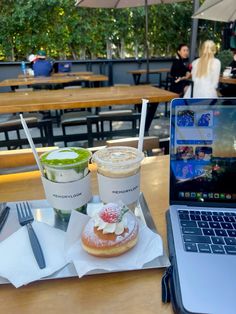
point(146, 42)
point(193, 46)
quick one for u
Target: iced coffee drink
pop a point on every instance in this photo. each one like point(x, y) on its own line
point(66, 165)
point(118, 171)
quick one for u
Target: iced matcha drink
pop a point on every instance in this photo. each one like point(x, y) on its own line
point(118, 174)
point(66, 165)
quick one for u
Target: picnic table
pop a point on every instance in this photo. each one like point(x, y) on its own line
point(137, 74)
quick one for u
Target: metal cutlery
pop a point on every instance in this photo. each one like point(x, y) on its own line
point(26, 218)
point(3, 217)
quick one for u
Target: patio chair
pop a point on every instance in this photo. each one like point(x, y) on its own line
point(133, 130)
point(150, 144)
point(72, 119)
point(113, 113)
point(15, 140)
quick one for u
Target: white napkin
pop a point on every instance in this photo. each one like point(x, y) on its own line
point(17, 262)
point(149, 246)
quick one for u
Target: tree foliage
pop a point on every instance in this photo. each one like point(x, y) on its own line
point(66, 31)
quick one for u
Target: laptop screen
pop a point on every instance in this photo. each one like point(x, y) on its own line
point(203, 151)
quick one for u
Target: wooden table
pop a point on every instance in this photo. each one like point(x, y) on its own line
point(137, 74)
point(227, 80)
point(81, 98)
point(72, 73)
point(127, 292)
point(61, 74)
point(14, 83)
point(85, 98)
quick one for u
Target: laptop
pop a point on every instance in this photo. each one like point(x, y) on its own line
point(202, 214)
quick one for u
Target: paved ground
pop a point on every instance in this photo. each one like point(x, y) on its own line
point(159, 127)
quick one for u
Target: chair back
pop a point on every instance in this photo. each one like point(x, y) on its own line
point(131, 131)
point(150, 144)
point(45, 128)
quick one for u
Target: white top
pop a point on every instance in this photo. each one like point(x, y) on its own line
point(205, 87)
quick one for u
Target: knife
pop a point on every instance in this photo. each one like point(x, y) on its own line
point(3, 217)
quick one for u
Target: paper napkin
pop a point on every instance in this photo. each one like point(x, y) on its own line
point(149, 247)
point(17, 262)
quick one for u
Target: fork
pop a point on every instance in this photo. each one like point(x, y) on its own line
point(26, 217)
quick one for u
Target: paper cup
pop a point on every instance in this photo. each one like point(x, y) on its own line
point(118, 171)
point(67, 180)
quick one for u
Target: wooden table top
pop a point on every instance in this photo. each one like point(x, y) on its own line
point(81, 98)
point(52, 80)
point(126, 292)
point(227, 80)
point(151, 71)
point(61, 74)
point(73, 73)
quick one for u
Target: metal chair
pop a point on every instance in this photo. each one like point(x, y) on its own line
point(113, 113)
point(150, 144)
point(74, 118)
point(134, 118)
point(12, 142)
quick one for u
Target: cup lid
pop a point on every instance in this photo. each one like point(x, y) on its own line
point(65, 157)
point(117, 156)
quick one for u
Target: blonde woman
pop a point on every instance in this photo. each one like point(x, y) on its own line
point(205, 73)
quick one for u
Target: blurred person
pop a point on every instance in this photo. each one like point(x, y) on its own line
point(32, 58)
point(229, 90)
point(42, 67)
point(233, 64)
point(205, 73)
point(180, 71)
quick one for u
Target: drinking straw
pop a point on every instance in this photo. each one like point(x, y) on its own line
point(30, 140)
point(142, 124)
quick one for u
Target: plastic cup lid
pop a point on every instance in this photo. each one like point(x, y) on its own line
point(118, 156)
point(65, 157)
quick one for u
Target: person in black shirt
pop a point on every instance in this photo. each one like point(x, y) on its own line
point(229, 90)
point(233, 64)
point(180, 72)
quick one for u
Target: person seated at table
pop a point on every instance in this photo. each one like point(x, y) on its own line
point(229, 90)
point(180, 71)
point(205, 73)
point(32, 58)
point(233, 64)
point(42, 67)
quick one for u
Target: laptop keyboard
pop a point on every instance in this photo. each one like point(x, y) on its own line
point(208, 231)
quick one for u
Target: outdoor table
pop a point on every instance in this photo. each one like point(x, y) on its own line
point(72, 73)
point(60, 74)
point(85, 98)
point(125, 292)
point(14, 83)
point(137, 74)
point(227, 80)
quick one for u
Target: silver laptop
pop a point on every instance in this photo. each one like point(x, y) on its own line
point(203, 202)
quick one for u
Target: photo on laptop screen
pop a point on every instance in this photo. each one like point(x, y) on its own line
point(203, 150)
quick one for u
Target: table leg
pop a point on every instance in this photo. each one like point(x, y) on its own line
point(136, 78)
point(151, 110)
point(160, 79)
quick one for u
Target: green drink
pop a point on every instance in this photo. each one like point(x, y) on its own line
point(67, 170)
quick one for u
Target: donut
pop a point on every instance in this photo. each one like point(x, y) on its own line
point(111, 233)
